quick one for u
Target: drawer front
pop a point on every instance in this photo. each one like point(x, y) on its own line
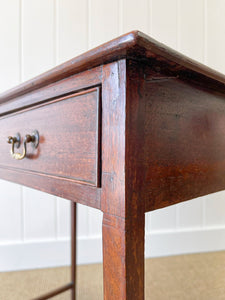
point(69, 131)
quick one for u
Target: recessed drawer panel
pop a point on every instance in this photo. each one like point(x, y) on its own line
point(69, 145)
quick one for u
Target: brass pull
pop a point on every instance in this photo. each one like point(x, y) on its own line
point(16, 141)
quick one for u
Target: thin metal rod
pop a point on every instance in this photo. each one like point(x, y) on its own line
point(73, 249)
point(55, 292)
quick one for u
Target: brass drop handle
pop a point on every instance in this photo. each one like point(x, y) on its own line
point(16, 141)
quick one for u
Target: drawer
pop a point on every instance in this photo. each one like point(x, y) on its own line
point(69, 138)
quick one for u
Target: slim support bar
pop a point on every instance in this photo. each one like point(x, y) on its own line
point(55, 292)
point(73, 249)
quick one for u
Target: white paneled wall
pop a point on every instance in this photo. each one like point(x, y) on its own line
point(36, 35)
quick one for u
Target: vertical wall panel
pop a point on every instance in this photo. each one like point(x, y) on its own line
point(190, 41)
point(190, 214)
point(163, 219)
point(10, 44)
point(39, 215)
point(164, 21)
point(135, 16)
point(95, 222)
point(63, 218)
point(82, 220)
point(215, 34)
point(72, 28)
point(10, 212)
point(147, 223)
point(191, 28)
point(38, 48)
point(103, 21)
point(215, 209)
point(11, 223)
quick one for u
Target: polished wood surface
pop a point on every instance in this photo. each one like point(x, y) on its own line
point(74, 83)
point(135, 45)
point(177, 137)
point(123, 220)
point(146, 126)
point(190, 120)
point(69, 132)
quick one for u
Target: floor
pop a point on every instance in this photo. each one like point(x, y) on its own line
point(195, 276)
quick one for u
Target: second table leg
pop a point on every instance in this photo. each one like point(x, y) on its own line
point(73, 249)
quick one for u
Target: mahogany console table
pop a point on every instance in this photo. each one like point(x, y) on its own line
point(128, 127)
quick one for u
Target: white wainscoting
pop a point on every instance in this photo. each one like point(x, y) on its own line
point(36, 35)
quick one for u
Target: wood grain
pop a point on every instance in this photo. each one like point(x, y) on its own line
point(123, 258)
point(183, 141)
point(72, 84)
point(123, 221)
point(113, 138)
point(61, 187)
point(68, 146)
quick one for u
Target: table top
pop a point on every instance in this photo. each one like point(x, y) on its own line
point(135, 45)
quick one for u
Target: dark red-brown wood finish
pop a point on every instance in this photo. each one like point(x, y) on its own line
point(133, 126)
